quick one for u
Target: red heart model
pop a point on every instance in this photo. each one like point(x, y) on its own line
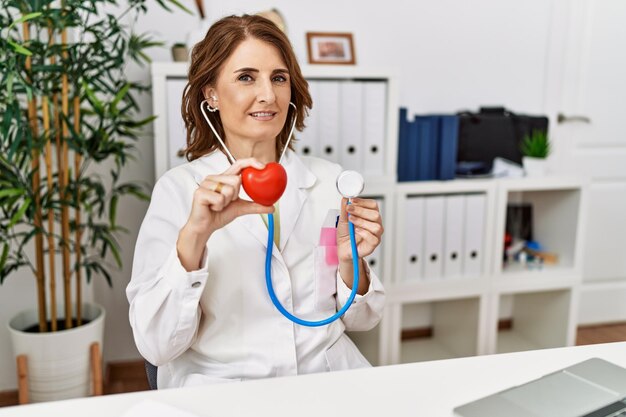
point(265, 186)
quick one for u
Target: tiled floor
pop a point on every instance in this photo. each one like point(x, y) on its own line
point(131, 376)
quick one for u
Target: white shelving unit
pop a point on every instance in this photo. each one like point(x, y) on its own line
point(459, 314)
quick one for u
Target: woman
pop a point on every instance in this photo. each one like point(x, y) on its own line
point(199, 308)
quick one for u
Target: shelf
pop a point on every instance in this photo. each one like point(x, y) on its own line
point(539, 320)
point(546, 279)
point(555, 223)
point(434, 290)
point(454, 326)
point(424, 350)
point(444, 187)
point(511, 341)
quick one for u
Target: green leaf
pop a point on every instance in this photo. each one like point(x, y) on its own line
point(5, 254)
point(11, 192)
point(24, 19)
point(113, 210)
point(20, 213)
point(119, 96)
point(19, 48)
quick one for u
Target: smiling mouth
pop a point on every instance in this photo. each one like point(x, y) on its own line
point(263, 115)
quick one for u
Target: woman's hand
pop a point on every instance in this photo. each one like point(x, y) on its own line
point(215, 204)
point(368, 228)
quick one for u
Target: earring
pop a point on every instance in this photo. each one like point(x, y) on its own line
point(212, 109)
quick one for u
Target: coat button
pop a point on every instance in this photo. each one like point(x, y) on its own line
point(196, 284)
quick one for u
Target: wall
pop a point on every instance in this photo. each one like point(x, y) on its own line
point(448, 55)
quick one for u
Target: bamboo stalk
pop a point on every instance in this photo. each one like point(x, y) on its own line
point(51, 245)
point(36, 182)
point(63, 182)
point(49, 173)
point(77, 162)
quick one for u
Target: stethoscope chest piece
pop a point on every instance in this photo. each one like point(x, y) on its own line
point(350, 184)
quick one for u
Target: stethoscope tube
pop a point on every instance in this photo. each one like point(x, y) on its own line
point(270, 244)
point(270, 287)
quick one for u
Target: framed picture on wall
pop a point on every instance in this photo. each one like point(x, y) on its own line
point(330, 48)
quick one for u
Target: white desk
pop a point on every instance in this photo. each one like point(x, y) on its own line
point(430, 389)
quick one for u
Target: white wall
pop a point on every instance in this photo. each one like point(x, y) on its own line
point(448, 55)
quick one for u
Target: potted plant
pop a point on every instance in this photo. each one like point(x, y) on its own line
point(68, 120)
point(179, 52)
point(535, 149)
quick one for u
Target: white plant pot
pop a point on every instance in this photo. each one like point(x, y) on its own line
point(58, 362)
point(535, 167)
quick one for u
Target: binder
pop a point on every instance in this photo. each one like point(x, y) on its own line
point(475, 211)
point(453, 240)
point(375, 260)
point(448, 141)
point(328, 116)
point(307, 143)
point(426, 137)
point(351, 125)
point(374, 129)
point(403, 145)
point(176, 138)
point(434, 138)
point(413, 162)
point(414, 238)
point(434, 207)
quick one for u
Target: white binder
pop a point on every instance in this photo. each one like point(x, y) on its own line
point(307, 143)
point(475, 210)
point(414, 238)
point(374, 116)
point(351, 125)
point(375, 260)
point(176, 134)
point(453, 242)
point(328, 117)
point(433, 236)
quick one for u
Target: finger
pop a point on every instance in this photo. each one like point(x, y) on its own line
point(243, 207)
point(367, 237)
point(366, 213)
point(373, 227)
point(365, 202)
point(215, 201)
point(343, 215)
point(210, 181)
point(230, 190)
point(240, 164)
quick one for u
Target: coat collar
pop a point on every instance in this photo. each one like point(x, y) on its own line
point(299, 180)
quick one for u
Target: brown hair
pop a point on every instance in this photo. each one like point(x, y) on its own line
point(207, 59)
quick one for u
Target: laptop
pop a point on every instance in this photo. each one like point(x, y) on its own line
point(593, 388)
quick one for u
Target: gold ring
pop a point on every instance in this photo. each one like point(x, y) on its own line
point(218, 187)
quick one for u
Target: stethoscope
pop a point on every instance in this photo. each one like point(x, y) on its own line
point(350, 184)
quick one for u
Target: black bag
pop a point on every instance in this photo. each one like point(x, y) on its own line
point(495, 132)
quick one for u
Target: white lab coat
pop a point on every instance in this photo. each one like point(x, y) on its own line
point(218, 323)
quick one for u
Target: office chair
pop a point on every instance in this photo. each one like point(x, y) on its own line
point(151, 373)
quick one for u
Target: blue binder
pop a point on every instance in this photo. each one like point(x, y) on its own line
point(427, 151)
point(412, 152)
point(448, 143)
point(403, 138)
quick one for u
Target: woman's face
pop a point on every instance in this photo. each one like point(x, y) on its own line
point(253, 91)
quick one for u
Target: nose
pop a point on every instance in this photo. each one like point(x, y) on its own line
point(265, 93)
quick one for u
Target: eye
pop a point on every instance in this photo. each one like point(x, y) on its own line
point(279, 78)
point(245, 78)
